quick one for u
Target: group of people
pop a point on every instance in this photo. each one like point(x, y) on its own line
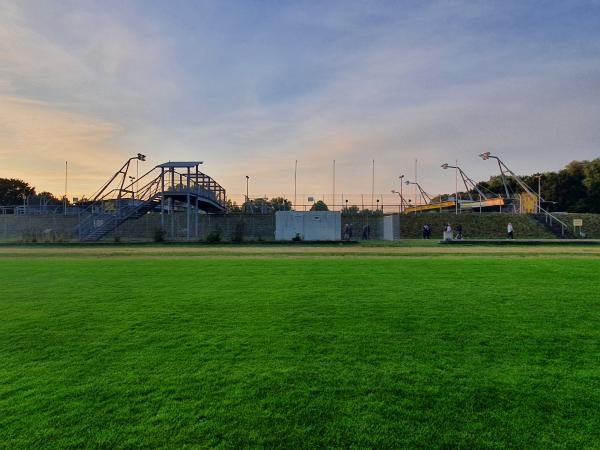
point(447, 231)
point(458, 232)
point(347, 232)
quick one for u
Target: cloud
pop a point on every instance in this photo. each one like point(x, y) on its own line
point(251, 89)
point(84, 58)
point(36, 139)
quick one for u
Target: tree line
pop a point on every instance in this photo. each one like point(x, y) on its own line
point(17, 192)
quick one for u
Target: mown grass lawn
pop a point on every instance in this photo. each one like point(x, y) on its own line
point(299, 352)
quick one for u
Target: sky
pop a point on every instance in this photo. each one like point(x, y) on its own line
point(249, 87)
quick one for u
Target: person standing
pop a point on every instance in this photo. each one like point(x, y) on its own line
point(459, 231)
point(510, 231)
point(366, 232)
point(426, 231)
point(448, 233)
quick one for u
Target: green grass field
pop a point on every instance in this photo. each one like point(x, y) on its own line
point(233, 350)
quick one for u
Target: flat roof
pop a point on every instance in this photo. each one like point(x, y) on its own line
point(175, 164)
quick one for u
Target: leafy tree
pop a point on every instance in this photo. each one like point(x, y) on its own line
point(261, 205)
point(319, 206)
point(14, 191)
point(350, 210)
point(233, 207)
point(281, 204)
point(45, 198)
point(372, 212)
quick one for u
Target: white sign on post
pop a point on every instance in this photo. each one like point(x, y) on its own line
point(577, 222)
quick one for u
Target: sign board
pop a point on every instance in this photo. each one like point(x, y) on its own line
point(577, 222)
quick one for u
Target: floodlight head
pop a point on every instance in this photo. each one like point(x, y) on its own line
point(401, 176)
point(445, 166)
point(141, 157)
point(485, 155)
point(407, 182)
point(247, 177)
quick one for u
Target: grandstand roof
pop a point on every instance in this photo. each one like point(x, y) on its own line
point(179, 164)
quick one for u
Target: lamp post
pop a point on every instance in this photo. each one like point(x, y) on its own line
point(247, 184)
point(539, 205)
point(401, 178)
point(402, 201)
point(488, 155)
point(424, 195)
point(446, 166)
point(504, 171)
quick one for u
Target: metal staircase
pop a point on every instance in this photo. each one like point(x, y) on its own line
point(163, 188)
point(554, 225)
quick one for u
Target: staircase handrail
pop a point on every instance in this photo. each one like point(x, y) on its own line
point(549, 215)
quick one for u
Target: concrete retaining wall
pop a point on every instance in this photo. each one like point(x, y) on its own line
point(42, 228)
point(59, 228)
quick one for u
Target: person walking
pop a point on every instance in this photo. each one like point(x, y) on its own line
point(345, 235)
point(510, 231)
point(426, 231)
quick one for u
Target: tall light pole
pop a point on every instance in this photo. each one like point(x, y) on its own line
point(539, 177)
point(487, 155)
point(401, 178)
point(247, 184)
point(468, 182)
point(424, 195)
point(373, 185)
point(66, 187)
point(505, 170)
point(402, 201)
point(295, 182)
point(333, 203)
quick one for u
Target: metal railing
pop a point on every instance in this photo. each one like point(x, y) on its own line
point(551, 219)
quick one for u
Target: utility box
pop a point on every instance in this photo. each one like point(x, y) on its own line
point(309, 226)
point(391, 227)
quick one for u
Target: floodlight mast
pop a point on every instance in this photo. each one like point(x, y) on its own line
point(401, 178)
point(123, 172)
point(466, 181)
point(403, 202)
point(504, 170)
point(424, 195)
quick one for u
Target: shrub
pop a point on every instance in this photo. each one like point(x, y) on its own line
point(214, 236)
